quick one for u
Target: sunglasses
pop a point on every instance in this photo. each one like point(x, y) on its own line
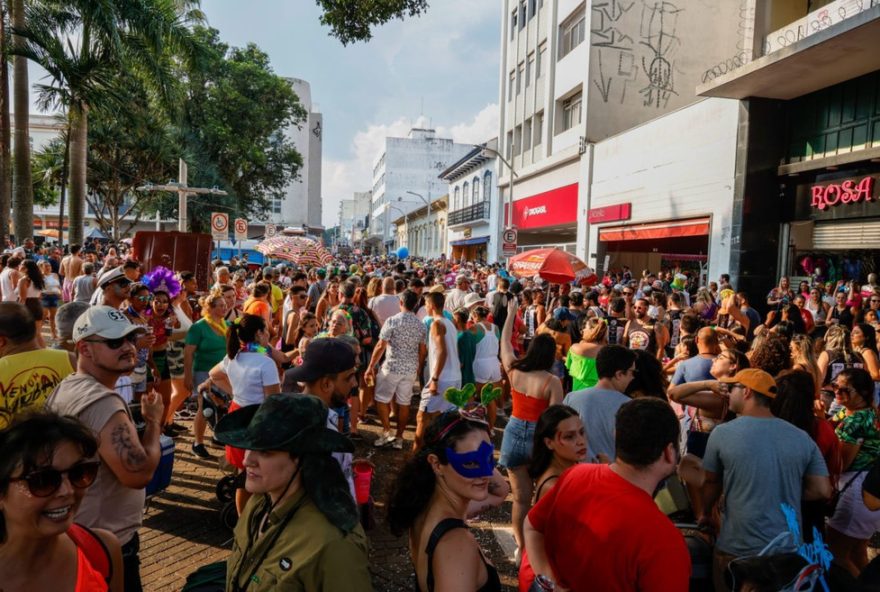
point(118, 342)
point(147, 298)
point(45, 482)
point(843, 390)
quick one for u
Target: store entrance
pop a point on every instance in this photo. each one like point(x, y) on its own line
point(688, 254)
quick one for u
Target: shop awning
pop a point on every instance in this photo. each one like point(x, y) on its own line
point(477, 240)
point(659, 230)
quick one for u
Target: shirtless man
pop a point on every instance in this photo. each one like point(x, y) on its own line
point(71, 268)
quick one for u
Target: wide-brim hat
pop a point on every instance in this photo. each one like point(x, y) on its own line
point(292, 423)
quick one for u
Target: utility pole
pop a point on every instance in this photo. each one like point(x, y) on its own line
point(182, 189)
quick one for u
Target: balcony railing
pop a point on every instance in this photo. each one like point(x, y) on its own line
point(474, 213)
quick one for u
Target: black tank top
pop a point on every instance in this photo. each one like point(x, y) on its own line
point(641, 336)
point(493, 582)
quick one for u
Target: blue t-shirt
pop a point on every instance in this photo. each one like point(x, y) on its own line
point(597, 408)
point(692, 370)
point(762, 463)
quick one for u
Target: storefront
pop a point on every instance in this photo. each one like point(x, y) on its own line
point(547, 219)
point(473, 248)
point(833, 231)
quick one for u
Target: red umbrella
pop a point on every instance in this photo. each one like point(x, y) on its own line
point(552, 265)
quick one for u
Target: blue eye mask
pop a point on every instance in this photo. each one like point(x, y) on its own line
point(472, 465)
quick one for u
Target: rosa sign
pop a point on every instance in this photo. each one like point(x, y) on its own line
point(849, 191)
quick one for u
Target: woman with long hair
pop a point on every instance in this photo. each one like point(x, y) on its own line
point(864, 343)
point(50, 296)
point(581, 359)
point(817, 307)
point(557, 327)
point(328, 301)
point(429, 502)
point(795, 403)
point(307, 330)
point(533, 388)
point(838, 354)
point(803, 358)
point(649, 379)
point(374, 287)
point(249, 373)
point(30, 289)
point(47, 464)
point(560, 443)
point(840, 314)
point(853, 524)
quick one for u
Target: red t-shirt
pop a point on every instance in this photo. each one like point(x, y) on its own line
point(602, 532)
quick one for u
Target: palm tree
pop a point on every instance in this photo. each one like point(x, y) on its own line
point(23, 198)
point(83, 45)
point(5, 130)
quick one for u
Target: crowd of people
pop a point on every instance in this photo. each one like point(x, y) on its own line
point(757, 425)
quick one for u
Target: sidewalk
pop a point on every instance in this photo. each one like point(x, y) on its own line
point(182, 529)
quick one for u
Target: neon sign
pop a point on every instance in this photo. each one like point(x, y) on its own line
point(849, 191)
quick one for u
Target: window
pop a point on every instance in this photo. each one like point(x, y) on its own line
point(522, 14)
point(571, 111)
point(538, 128)
point(527, 135)
point(510, 85)
point(465, 190)
point(487, 186)
point(517, 140)
point(539, 65)
point(509, 150)
point(456, 199)
point(276, 205)
point(530, 66)
point(476, 189)
point(573, 31)
point(533, 5)
point(520, 74)
point(512, 24)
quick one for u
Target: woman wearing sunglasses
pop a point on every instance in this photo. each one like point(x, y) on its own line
point(430, 501)
point(858, 429)
point(48, 462)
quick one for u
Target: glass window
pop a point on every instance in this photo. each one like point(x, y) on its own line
point(509, 150)
point(533, 5)
point(538, 128)
point(465, 191)
point(520, 75)
point(456, 198)
point(517, 140)
point(573, 33)
point(530, 66)
point(510, 85)
point(539, 65)
point(522, 14)
point(476, 190)
point(512, 24)
point(487, 186)
point(571, 112)
point(527, 135)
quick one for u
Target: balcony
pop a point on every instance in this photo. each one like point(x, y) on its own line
point(475, 213)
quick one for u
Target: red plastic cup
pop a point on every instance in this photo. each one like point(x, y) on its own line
point(363, 477)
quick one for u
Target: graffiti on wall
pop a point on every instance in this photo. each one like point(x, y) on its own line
point(745, 30)
point(816, 21)
point(626, 58)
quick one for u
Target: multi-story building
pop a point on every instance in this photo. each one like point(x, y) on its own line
point(807, 193)
point(473, 205)
point(423, 230)
point(301, 204)
point(345, 224)
point(405, 177)
point(563, 89)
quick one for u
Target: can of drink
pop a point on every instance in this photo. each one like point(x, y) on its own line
point(369, 380)
point(542, 584)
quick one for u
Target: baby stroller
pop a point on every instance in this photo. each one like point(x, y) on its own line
point(215, 405)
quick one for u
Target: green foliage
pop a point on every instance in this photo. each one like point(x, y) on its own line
point(351, 21)
point(46, 165)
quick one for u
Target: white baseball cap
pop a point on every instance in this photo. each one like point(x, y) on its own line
point(103, 321)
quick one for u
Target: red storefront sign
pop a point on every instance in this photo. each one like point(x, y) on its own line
point(613, 213)
point(849, 191)
point(551, 208)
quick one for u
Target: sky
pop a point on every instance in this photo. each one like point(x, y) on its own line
point(442, 65)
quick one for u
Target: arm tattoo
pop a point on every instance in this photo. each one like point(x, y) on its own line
point(129, 452)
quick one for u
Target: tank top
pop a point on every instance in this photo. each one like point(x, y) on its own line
point(615, 330)
point(451, 371)
point(530, 317)
point(32, 291)
point(641, 336)
point(674, 326)
point(529, 408)
point(6, 286)
point(493, 582)
point(818, 313)
point(93, 567)
point(52, 285)
point(487, 347)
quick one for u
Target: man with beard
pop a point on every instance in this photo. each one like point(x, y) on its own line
point(105, 342)
point(643, 332)
point(328, 372)
point(599, 522)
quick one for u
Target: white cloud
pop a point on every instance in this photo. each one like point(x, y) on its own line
point(341, 178)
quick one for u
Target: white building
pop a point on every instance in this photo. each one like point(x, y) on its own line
point(405, 177)
point(345, 224)
point(301, 204)
point(574, 73)
point(474, 206)
point(423, 230)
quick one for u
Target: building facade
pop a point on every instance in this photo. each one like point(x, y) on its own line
point(423, 230)
point(473, 205)
point(405, 178)
point(574, 73)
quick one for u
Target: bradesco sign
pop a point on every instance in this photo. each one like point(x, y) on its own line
point(551, 208)
point(849, 191)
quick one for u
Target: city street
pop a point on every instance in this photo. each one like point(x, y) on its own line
point(183, 531)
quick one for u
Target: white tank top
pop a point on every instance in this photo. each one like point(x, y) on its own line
point(488, 346)
point(452, 368)
point(6, 286)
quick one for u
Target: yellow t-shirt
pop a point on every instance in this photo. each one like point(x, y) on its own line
point(27, 379)
point(277, 298)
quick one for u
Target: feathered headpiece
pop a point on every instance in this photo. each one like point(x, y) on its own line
point(162, 279)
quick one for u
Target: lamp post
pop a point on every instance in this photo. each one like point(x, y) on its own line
point(487, 152)
point(405, 221)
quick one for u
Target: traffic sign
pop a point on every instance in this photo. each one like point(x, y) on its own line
point(219, 226)
point(508, 249)
point(241, 229)
point(270, 230)
point(509, 236)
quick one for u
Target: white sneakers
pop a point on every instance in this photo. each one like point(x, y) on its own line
point(384, 440)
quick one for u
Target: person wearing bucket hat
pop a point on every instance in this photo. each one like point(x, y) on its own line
point(300, 528)
point(743, 459)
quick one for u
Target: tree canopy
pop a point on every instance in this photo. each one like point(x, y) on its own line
point(351, 21)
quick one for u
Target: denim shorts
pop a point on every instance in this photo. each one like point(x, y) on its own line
point(516, 443)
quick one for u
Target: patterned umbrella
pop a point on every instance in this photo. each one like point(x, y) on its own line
point(552, 265)
point(295, 249)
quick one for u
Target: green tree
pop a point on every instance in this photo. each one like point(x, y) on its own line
point(232, 131)
point(23, 197)
point(351, 21)
point(84, 44)
point(5, 127)
point(47, 166)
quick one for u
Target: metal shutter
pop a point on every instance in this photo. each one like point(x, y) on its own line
point(847, 235)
